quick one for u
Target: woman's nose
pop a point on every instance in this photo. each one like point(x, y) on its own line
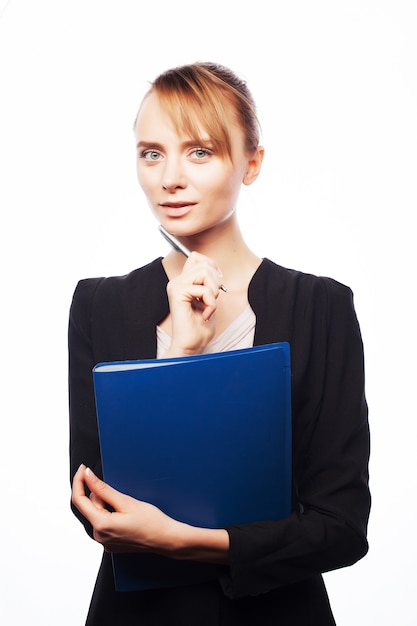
point(173, 177)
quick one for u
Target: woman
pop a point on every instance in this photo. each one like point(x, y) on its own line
point(197, 142)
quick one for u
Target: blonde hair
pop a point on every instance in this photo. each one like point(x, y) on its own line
point(208, 95)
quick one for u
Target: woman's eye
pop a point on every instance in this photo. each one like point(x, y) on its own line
point(201, 153)
point(150, 155)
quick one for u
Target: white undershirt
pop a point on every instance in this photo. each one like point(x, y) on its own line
point(239, 334)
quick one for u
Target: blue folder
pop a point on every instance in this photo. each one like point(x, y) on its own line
point(205, 438)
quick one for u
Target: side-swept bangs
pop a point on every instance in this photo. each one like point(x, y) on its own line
point(196, 98)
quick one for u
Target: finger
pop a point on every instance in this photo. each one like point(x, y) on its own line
point(78, 490)
point(204, 294)
point(78, 495)
point(93, 504)
point(205, 266)
point(210, 281)
point(203, 300)
point(196, 257)
point(103, 491)
point(97, 501)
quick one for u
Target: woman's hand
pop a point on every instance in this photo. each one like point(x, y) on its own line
point(132, 526)
point(136, 526)
point(192, 299)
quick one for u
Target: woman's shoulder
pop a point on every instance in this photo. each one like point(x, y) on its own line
point(300, 295)
point(108, 296)
point(276, 277)
point(111, 286)
point(149, 270)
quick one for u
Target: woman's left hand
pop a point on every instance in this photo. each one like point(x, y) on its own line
point(132, 526)
point(136, 526)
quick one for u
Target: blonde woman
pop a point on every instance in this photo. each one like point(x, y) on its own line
point(197, 142)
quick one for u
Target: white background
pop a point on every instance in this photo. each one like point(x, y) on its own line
point(336, 89)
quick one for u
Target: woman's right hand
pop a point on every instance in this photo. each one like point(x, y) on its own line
point(192, 299)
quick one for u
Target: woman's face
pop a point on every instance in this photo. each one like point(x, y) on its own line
point(189, 187)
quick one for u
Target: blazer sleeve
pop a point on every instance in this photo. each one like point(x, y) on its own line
point(327, 528)
point(84, 440)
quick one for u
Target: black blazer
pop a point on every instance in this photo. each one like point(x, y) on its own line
point(275, 568)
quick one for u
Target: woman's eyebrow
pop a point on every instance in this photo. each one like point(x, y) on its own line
point(189, 143)
point(149, 144)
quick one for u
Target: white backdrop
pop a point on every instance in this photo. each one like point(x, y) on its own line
point(336, 88)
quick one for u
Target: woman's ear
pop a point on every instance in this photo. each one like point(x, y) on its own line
point(254, 166)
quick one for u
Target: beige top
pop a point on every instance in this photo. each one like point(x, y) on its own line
point(239, 334)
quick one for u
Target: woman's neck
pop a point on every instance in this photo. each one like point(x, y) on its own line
point(226, 247)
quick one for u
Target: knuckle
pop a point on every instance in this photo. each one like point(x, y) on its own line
point(98, 536)
point(100, 486)
point(100, 532)
point(100, 525)
point(170, 287)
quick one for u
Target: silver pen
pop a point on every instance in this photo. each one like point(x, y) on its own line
point(177, 245)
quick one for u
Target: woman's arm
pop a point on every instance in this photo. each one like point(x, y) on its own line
point(84, 440)
point(193, 301)
point(327, 529)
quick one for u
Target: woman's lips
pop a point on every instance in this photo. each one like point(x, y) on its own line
point(176, 209)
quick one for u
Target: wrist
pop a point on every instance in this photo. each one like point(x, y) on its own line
point(174, 352)
point(186, 542)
